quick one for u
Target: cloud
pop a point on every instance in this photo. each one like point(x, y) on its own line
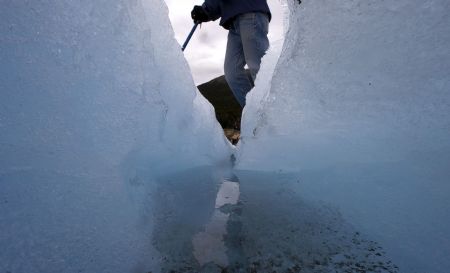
point(203, 37)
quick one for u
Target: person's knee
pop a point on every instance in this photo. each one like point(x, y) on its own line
point(254, 66)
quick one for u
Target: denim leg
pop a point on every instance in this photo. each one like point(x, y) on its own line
point(254, 28)
point(234, 69)
point(247, 44)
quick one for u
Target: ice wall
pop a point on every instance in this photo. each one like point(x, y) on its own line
point(95, 100)
point(374, 71)
point(359, 104)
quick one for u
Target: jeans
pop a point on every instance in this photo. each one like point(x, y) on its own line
point(247, 44)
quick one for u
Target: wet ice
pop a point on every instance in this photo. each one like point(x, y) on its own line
point(270, 228)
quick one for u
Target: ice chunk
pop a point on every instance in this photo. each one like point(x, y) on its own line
point(359, 103)
point(96, 99)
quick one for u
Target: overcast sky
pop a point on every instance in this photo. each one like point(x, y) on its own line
point(206, 51)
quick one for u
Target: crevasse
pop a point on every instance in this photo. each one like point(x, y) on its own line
point(103, 136)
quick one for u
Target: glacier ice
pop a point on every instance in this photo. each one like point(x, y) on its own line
point(96, 101)
point(377, 71)
point(105, 143)
point(359, 107)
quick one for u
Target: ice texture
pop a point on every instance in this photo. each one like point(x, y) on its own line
point(359, 106)
point(96, 100)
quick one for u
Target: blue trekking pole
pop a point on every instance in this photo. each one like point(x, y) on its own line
point(190, 36)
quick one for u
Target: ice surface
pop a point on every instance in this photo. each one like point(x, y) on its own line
point(271, 228)
point(209, 245)
point(96, 100)
point(359, 106)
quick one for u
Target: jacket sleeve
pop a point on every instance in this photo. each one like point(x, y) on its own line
point(212, 9)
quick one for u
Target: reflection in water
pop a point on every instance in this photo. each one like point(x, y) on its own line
point(209, 245)
point(258, 223)
point(184, 204)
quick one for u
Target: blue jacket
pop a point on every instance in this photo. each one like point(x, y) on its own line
point(228, 9)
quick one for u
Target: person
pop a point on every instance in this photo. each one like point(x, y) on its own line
point(247, 22)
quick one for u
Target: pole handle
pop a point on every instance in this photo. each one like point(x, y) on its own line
point(189, 36)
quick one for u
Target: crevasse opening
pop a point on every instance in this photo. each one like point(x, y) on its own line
point(205, 53)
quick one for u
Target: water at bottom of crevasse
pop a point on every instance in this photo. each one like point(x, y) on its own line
point(212, 221)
